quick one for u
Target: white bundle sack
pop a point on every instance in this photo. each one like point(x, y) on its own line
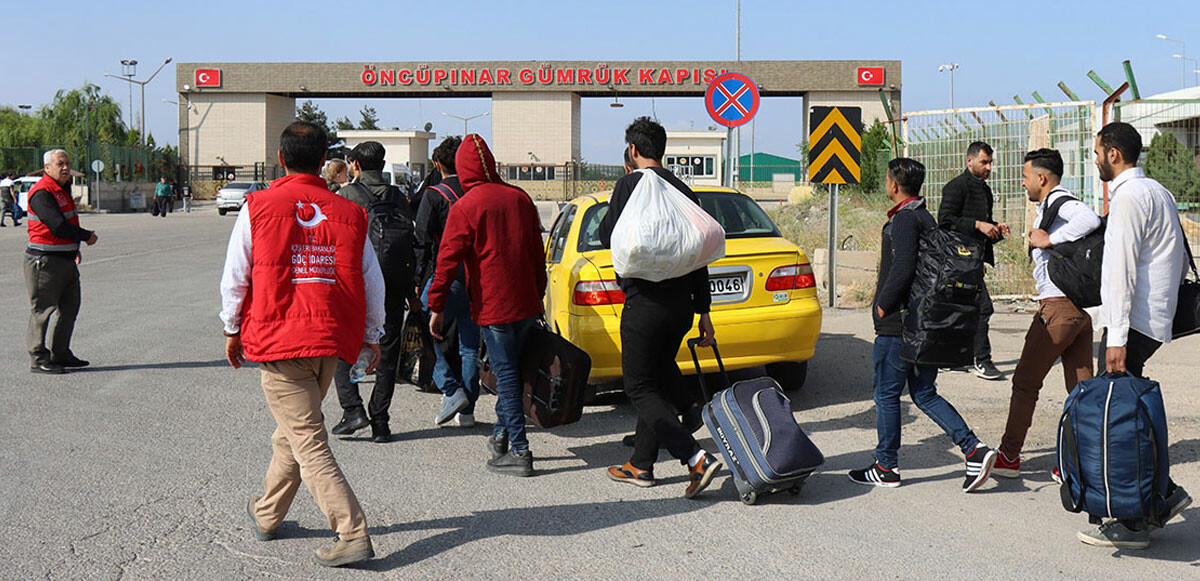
point(662, 234)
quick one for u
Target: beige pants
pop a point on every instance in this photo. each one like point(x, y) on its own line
point(294, 390)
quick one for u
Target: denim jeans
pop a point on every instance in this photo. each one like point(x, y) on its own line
point(891, 375)
point(504, 345)
point(458, 308)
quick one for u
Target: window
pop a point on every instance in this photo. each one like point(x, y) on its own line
point(531, 173)
point(740, 216)
point(695, 165)
point(589, 230)
point(558, 234)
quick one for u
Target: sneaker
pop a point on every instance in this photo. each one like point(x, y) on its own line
point(1056, 476)
point(979, 466)
point(1006, 468)
point(352, 421)
point(381, 433)
point(876, 475)
point(1176, 502)
point(48, 368)
point(1115, 534)
point(345, 552)
point(701, 474)
point(451, 405)
point(634, 476)
point(497, 448)
point(513, 464)
point(466, 420)
point(986, 370)
point(259, 532)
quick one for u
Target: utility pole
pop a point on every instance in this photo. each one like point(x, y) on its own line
point(1182, 56)
point(466, 119)
point(142, 84)
point(736, 133)
point(951, 68)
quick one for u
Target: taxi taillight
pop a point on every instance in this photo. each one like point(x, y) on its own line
point(791, 277)
point(591, 293)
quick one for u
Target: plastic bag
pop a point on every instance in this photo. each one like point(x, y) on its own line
point(662, 234)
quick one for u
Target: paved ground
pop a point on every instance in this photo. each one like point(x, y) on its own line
point(140, 467)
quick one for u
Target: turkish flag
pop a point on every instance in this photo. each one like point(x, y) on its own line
point(870, 76)
point(208, 77)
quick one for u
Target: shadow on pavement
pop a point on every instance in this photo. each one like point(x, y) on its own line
point(171, 365)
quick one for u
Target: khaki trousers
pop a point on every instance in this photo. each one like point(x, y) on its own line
point(294, 389)
point(1059, 329)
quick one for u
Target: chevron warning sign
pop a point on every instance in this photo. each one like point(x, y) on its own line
point(835, 145)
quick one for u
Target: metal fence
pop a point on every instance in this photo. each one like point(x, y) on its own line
point(1170, 132)
point(124, 164)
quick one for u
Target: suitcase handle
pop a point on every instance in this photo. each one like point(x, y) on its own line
point(692, 343)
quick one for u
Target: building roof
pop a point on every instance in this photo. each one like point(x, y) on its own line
point(761, 158)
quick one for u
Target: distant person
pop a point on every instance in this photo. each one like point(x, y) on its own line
point(494, 230)
point(655, 319)
point(967, 208)
point(1060, 329)
point(186, 192)
point(162, 196)
point(460, 388)
point(52, 266)
point(897, 269)
point(336, 174)
point(297, 319)
point(8, 200)
point(433, 178)
point(1143, 266)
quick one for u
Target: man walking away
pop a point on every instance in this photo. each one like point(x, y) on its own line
point(162, 196)
point(1143, 266)
point(52, 266)
point(494, 230)
point(1059, 328)
point(8, 200)
point(655, 319)
point(297, 318)
point(371, 188)
point(897, 268)
point(967, 208)
point(460, 389)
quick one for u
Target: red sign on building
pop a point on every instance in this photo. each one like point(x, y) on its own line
point(208, 77)
point(870, 76)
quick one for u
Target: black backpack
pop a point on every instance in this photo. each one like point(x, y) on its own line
point(1074, 267)
point(942, 315)
point(390, 229)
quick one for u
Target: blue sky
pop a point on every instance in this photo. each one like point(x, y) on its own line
point(1003, 48)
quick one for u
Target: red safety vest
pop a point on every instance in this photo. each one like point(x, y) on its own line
point(306, 296)
point(40, 237)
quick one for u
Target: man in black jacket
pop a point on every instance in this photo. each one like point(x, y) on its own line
point(967, 208)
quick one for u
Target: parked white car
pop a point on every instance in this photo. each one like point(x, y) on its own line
point(233, 195)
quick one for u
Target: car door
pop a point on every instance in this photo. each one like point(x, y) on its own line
point(558, 273)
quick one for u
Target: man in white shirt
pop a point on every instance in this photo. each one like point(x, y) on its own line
point(1059, 328)
point(1142, 269)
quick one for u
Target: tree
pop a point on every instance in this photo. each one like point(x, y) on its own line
point(344, 123)
point(309, 111)
point(1174, 166)
point(370, 120)
point(876, 152)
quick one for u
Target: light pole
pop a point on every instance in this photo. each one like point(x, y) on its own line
point(142, 84)
point(466, 119)
point(1182, 55)
point(129, 71)
point(25, 108)
point(1185, 62)
point(950, 68)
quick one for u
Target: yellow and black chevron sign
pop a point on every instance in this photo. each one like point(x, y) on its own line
point(835, 145)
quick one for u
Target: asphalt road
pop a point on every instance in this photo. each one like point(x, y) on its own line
point(140, 467)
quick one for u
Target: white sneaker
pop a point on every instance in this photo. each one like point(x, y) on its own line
point(451, 404)
point(466, 420)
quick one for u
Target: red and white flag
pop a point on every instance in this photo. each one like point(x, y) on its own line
point(870, 75)
point(208, 77)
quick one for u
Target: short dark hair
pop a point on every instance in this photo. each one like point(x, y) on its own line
point(369, 155)
point(908, 173)
point(978, 146)
point(1124, 138)
point(648, 137)
point(1047, 159)
point(303, 145)
point(445, 151)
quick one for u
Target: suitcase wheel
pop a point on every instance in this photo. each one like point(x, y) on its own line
point(750, 497)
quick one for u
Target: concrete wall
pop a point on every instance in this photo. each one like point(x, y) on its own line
point(702, 143)
point(410, 148)
point(240, 128)
point(547, 124)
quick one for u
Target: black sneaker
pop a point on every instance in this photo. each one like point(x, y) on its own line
point(72, 361)
point(352, 421)
point(497, 448)
point(380, 432)
point(48, 368)
point(513, 464)
point(979, 466)
point(876, 475)
point(987, 370)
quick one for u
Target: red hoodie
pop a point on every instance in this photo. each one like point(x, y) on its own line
point(495, 230)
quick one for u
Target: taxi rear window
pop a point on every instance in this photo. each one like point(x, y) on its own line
point(740, 216)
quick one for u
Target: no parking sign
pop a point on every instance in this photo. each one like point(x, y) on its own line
point(732, 99)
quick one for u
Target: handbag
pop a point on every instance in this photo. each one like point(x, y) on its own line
point(1187, 310)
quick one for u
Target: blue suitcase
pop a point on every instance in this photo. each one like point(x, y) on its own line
point(757, 435)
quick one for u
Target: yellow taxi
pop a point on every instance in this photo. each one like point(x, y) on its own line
point(765, 307)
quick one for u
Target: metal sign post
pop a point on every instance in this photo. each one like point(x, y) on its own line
point(833, 237)
point(97, 167)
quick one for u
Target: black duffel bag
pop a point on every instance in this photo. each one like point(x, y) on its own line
point(1187, 311)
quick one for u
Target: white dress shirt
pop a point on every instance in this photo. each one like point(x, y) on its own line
point(1074, 221)
point(1143, 259)
point(235, 281)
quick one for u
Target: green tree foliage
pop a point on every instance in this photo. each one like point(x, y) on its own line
point(309, 111)
point(370, 120)
point(876, 152)
point(344, 123)
point(1174, 166)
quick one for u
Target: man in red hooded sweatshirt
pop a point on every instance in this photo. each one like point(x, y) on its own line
point(495, 231)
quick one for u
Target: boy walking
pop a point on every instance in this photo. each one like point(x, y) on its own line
point(897, 267)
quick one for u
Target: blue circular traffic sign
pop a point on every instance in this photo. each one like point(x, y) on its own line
point(732, 99)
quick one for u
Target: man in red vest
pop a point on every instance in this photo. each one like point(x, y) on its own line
point(301, 290)
point(52, 266)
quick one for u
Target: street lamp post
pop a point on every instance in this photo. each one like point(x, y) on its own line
point(466, 119)
point(950, 68)
point(24, 108)
point(1182, 55)
point(142, 84)
point(1186, 60)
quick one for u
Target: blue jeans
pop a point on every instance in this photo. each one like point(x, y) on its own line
point(504, 345)
point(891, 375)
point(458, 308)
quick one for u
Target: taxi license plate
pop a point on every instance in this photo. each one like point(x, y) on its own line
point(727, 285)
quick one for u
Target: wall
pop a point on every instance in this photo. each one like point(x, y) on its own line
point(547, 124)
point(241, 128)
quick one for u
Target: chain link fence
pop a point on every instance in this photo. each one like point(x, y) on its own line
point(1170, 130)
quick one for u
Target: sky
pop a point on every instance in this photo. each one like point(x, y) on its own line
point(1002, 48)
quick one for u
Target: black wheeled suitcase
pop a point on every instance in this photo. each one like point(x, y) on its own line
point(764, 447)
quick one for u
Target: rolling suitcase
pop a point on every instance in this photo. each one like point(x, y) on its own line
point(758, 437)
point(555, 375)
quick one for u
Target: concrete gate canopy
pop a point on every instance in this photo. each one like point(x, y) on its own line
point(240, 108)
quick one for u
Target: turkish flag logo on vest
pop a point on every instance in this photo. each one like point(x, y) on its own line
point(208, 77)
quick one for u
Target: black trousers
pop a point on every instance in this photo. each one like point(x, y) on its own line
point(395, 307)
point(652, 330)
point(983, 347)
point(52, 282)
point(1138, 350)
